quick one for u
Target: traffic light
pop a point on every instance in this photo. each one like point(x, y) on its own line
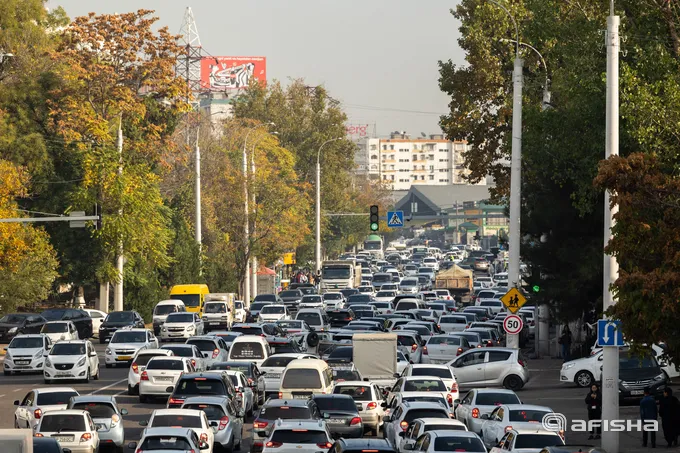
point(477, 238)
point(536, 288)
point(375, 219)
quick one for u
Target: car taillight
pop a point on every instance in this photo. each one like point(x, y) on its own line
point(479, 345)
point(414, 347)
point(348, 319)
point(135, 368)
point(355, 421)
point(508, 428)
point(425, 350)
point(39, 435)
point(280, 395)
point(449, 398)
point(204, 437)
point(403, 425)
point(260, 425)
point(324, 445)
point(371, 405)
point(37, 413)
point(216, 352)
point(144, 376)
point(475, 413)
point(521, 362)
point(193, 362)
point(489, 343)
point(459, 351)
point(175, 401)
point(454, 387)
point(85, 437)
point(271, 444)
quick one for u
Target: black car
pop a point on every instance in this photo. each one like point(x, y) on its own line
point(117, 320)
point(340, 355)
point(349, 292)
point(637, 373)
point(341, 415)
point(361, 314)
point(291, 298)
point(253, 374)
point(340, 318)
point(200, 384)
point(81, 319)
point(46, 445)
point(344, 445)
point(362, 299)
point(14, 324)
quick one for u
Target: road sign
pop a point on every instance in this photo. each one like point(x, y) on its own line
point(513, 324)
point(395, 219)
point(609, 332)
point(513, 300)
point(76, 223)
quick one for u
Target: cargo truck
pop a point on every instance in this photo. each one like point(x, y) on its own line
point(458, 281)
point(337, 275)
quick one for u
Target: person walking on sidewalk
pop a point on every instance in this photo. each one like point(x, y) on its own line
point(565, 341)
point(669, 411)
point(594, 404)
point(648, 412)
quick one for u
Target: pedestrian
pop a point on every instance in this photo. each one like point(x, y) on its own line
point(565, 341)
point(669, 411)
point(594, 404)
point(648, 412)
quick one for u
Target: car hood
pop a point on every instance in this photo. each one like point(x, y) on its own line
point(117, 324)
point(638, 374)
point(177, 324)
point(581, 361)
point(24, 351)
point(7, 326)
point(60, 359)
point(134, 346)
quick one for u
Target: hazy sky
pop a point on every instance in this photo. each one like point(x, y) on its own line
point(378, 57)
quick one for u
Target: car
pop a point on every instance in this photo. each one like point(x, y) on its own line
point(47, 445)
point(273, 313)
point(474, 338)
point(366, 288)
point(361, 445)
point(531, 316)
point(312, 301)
point(97, 317)
point(349, 291)
point(439, 309)
point(315, 318)
point(404, 414)
point(26, 353)
point(293, 326)
point(274, 366)
point(446, 441)
point(224, 417)
point(385, 296)
point(106, 415)
point(254, 311)
point(334, 301)
point(478, 402)
point(169, 439)
point(527, 441)
point(340, 318)
point(443, 372)
point(13, 324)
point(117, 320)
point(248, 329)
point(210, 383)
point(227, 336)
point(194, 419)
point(384, 308)
point(163, 309)
point(139, 362)
point(488, 336)
point(160, 373)
point(74, 429)
point(291, 298)
point(189, 351)
point(495, 366)
point(379, 279)
point(368, 400)
point(38, 401)
point(341, 415)
point(59, 330)
point(411, 345)
point(443, 294)
point(584, 371)
point(298, 436)
point(420, 426)
point(637, 372)
point(240, 314)
point(69, 360)
point(180, 326)
point(217, 314)
point(420, 384)
point(444, 348)
point(425, 271)
point(213, 348)
point(280, 409)
point(253, 374)
point(340, 355)
point(244, 392)
point(285, 345)
point(125, 343)
point(496, 305)
point(489, 325)
point(510, 416)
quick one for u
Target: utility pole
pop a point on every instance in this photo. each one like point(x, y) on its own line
point(246, 225)
point(318, 205)
point(199, 233)
point(120, 259)
point(610, 360)
point(253, 266)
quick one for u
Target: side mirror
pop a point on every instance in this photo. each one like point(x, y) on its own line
point(384, 404)
point(65, 450)
point(205, 355)
point(402, 434)
point(144, 423)
point(485, 416)
point(17, 402)
point(93, 354)
point(456, 401)
point(132, 445)
point(49, 346)
point(387, 418)
point(408, 447)
point(123, 412)
point(396, 375)
point(204, 446)
point(213, 423)
point(170, 389)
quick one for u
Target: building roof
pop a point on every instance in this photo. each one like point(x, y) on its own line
point(440, 198)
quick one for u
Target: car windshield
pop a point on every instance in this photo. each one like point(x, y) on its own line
point(165, 443)
point(527, 415)
point(212, 411)
point(15, 319)
point(128, 337)
point(357, 392)
point(57, 327)
point(26, 343)
point(277, 362)
point(257, 306)
point(228, 337)
point(452, 443)
point(299, 436)
point(273, 309)
point(290, 324)
point(176, 420)
point(291, 293)
point(285, 413)
point(311, 318)
point(180, 317)
point(143, 359)
point(471, 337)
point(422, 330)
point(425, 413)
point(438, 372)
point(631, 363)
point(119, 316)
point(265, 298)
point(68, 349)
point(496, 399)
point(331, 273)
point(335, 404)
point(301, 378)
point(190, 300)
point(165, 309)
point(215, 307)
point(382, 278)
point(52, 315)
point(332, 296)
point(201, 386)
point(180, 351)
point(246, 351)
point(483, 334)
point(386, 294)
point(403, 340)
point(165, 364)
point(59, 423)
point(537, 441)
point(96, 410)
point(54, 398)
point(424, 385)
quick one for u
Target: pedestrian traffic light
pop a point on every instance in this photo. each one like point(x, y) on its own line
point(536, 288)
point(375, 219)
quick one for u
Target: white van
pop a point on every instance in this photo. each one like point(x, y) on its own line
point(249, 348)
point(217, 314)
point(304, 377)
point(162, 310)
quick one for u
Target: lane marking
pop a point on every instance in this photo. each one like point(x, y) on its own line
point(16, 390)
point(2, 395)
point(108, 386)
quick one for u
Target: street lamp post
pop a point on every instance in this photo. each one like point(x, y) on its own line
point(318, 204)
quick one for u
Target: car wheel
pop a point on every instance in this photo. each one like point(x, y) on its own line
point(87, 376)
point(230, 446)
point(513, 382)
point(48, 381)
point(143, 399)
point(583, 379)
point(96, 376)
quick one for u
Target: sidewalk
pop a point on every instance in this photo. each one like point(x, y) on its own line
point(538, 365)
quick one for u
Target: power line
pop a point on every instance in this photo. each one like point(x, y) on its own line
point(390, 109)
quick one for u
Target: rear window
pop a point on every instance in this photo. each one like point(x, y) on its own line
point(129, 337)
point(96, 410)
point(337, 404)
point(299, 436)
point(339, 315)
point(277, 362)
point(422, 330)
point(447, 340)
point(165, 364)
point(54, 398)
point(439, 372)
point(406, 305)
point(203, 345)
point(201, 387)
point(180, 351)
point(57, 327)
point(313, 319)
point(62, 423)
point(452, 320)
point(527, 415)
point(246, 351)
point(490, 303)
point(471, 444)
point(248, 330)
point(143, 359)
point(424, 385)
point(285, 413)
point(425, 413)
point(357, 392)
point(165, 309)
point(537, 441)
point(496, 399)
point(435, 427)
point(183, 421)
point(403, 340)
point(212, 411)
point(165, 443)
point(301, 378)
point(484, 334)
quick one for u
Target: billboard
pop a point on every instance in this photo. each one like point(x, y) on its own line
point(231, 73)
point(357, 129)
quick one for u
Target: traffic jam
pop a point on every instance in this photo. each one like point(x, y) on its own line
point(403, 354)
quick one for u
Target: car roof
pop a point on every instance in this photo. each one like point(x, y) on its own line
point(221, 400)
point(201, 337)
point(159, 351)
point(286, 402)
point(292, 424)
point(539, 430)
point(427, 365)
point(54, 389)
point(31, 335)
point(94, 399)
point(72, 341)
point(166, 431)
point(180, 345)
point(295, 355)
point(366, 443)
point(66, 412)
point(214, 374)
point(364, 383)
point(534, 407)
point(423, 405)
point(448, 421)
point(494, 390)
point(133, 329)
point(317, 396)
point(452, 433)
point(192, 412)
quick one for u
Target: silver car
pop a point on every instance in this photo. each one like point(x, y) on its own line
point(225, 418)
point(106, 415)
point(491, 367)
point(213, 348)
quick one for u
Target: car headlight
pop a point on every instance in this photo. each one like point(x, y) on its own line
point(192, 327)
point(81, 362)
point(660, 377)
point(13, 330)
point(108, 351)
point(37, 355)
point(165, 328)
point(8, 356)
point(48, 362)
point(566, 366)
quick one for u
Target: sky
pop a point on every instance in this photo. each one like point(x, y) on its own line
point(378, 57)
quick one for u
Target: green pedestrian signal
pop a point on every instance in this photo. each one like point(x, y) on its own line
point(375, 218)
point(536, 288)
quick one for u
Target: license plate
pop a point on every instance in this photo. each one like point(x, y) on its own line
point(337, 421)
point(164, 378)
point(125, 357)
point(64, 438)
point(273, 376)
point(214, 323)
point(21, 362)
point(637, 392)
point(300, 397)
point(63, 373)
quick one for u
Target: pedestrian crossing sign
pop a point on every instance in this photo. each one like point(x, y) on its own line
point(395, 219)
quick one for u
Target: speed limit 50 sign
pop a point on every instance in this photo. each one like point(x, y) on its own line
point(513, 324)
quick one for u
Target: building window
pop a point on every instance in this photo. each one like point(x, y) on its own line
point(431, 167)
point(385, 147)
point(373, 147)
point(391, 167)
point(373, 157)
point(391, 146)
point(422, 157)
point(431, 177)
point(392, 177)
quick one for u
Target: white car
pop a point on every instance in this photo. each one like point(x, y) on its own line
point(368, 399)
point(420, 384)
point(273, 313)
point(294, 327)
point(510, 416)
point(443, 372)
point(38, 401)
point(194, 419)
point(431, 262)
point(160, 373)
point(169, 439)
point(180, 326)
point(584, 371)
point(240, 313)
point(420, 426)
point(334, 301)
point(313, 301)
point(273, 368)
point(303, 436)
point(401, 417)
point(402, 362)
point(125, 343)
point(447, 441)
point(68, 360)
point(97, 316)
point(527, 441)
point(243, 390)
point(26, 353)
point(453, 323)
point(73, 428)
point(189, 351)
point(139, 362)
point(60, 330)
point(385, 296)
point(444, 348)
point(366, 289)
point(478, 402)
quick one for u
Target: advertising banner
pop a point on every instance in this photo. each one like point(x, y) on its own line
point(231, 73)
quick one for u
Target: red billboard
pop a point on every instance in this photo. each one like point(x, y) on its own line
point(231, 73)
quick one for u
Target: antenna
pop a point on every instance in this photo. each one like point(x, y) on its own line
point(190, 64)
